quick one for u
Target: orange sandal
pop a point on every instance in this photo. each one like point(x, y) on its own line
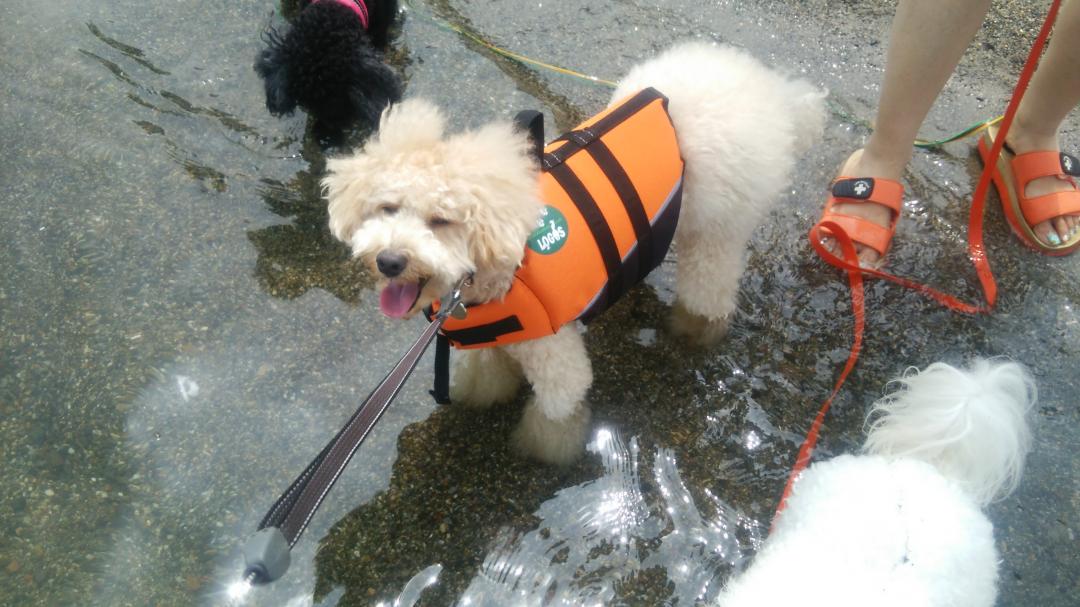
point(865, 190)
point(1011, 176)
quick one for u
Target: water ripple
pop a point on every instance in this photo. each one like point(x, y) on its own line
point(594, 537)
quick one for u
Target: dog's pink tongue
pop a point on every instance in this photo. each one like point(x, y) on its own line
point(397, 298)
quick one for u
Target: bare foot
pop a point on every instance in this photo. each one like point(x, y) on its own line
point(860, 165)
point(1059, 229)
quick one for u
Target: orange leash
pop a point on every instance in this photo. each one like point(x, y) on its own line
point(849, 263)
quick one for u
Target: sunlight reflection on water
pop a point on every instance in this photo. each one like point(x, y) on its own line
point(602, 532)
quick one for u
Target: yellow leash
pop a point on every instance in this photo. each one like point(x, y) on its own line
point(919, 143)
point(512, 55)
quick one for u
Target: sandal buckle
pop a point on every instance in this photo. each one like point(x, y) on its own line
point(859, 189)
point(1070, 165)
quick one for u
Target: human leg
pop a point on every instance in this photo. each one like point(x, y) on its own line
point(925, 43)
point(1054, 91)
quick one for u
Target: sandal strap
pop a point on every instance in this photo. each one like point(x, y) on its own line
point(862, 231)
point(1043, 208)
point(1034, 165)
point(885, 192)
point(865, 190)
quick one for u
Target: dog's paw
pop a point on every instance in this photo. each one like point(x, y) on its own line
point(560, 442)
point(485, 377)
point(697, 329)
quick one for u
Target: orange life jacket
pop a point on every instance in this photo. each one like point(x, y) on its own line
point(612, 189)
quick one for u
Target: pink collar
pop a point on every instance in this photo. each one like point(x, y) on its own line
point(357, 6)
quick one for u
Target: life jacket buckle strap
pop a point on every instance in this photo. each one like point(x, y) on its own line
point(582, 137)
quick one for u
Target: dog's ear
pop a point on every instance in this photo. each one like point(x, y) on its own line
point(346, 186)
point(410, 125)
point(373, 85)
point(498, 167)
point(270, 65)
point(498, 234)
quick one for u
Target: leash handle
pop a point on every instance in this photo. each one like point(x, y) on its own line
point(266, 553)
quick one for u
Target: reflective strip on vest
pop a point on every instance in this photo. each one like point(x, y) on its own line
point(612, 189)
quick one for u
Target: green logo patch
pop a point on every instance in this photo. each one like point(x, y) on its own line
point(550, 233)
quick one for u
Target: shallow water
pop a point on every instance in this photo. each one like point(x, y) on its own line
point(179, 334)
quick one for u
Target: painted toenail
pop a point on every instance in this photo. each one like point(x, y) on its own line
point(1053, 238)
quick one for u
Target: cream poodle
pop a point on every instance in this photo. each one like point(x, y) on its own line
point(424, 209)
point(901, 524)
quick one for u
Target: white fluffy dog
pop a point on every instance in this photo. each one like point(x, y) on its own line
point(902, 524)
point(423, 209)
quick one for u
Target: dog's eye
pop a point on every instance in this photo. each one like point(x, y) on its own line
point(388, 209)
point(438, 222)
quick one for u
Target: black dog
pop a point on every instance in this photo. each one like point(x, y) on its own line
point(329, 62)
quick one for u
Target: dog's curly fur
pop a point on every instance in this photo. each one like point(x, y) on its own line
point(326, 63)
point(448, 206)
point(901, 524)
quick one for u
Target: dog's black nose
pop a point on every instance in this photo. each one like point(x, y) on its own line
point(391, 263)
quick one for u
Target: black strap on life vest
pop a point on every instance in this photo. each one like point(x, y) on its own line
point(631, 200)
point(646, 255)
point(480, 334)
point(577, 139)
point(601, 232)
point(440, 391)
point(532, 122)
